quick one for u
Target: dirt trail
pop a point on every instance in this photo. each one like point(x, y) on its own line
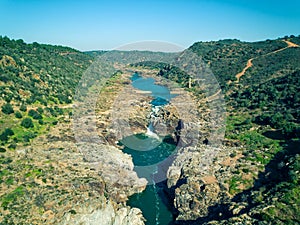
point(291, 44)
point(249, 62)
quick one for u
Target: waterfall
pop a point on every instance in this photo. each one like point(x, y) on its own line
point(153, 115)
point(150, 131)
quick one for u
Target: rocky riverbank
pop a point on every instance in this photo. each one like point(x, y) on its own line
point(55, 183)
point(198, 176)
point(62, 180)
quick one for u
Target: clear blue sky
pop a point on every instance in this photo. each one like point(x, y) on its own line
point(87, 25)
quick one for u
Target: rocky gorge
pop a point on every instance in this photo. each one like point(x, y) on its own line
point(74, 151)
point(80, 181)
point(194, 182)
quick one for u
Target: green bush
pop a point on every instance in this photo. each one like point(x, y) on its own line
point(23, 108)
point(27, 123)
point(34, 114)
point(12, 196)
point(6, 134)
point(7, 108)
point(3, 138)
point(291, 130)
point(59, 110)
point(12, 146)
point(18, 115)
point(27, 137)
point(40, 110)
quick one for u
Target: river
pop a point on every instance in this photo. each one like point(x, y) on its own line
point(148, 150)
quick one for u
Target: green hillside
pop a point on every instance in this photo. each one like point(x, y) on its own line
point(36, 81)
point(32, 73)
point(263, 106)
point(228, 57)
point(263, 115)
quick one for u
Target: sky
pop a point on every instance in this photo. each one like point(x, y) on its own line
point(104, 25)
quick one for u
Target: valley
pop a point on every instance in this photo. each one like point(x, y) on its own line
point(62, 160)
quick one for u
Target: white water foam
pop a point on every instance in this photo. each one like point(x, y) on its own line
point(150, 132)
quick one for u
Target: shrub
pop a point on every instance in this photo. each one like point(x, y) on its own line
point(12, 146)
point(291, 130)
point(27, 123)
point(40, 110)
point(232, 155)
point(51, 111)
point(34, 114)
point(18, 115)
point(23, 108)
point(58, 110)
point(7, 108)
point(5, 134)
point(8, 132)
point(3, 138)
point(27, 137)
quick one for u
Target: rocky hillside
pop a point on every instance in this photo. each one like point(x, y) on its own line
point(257, 182)
point(36, 83)
point(44, 178)
point(260, 82)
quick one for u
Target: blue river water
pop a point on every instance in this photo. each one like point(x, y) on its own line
point(147, 150)
point(161, 94)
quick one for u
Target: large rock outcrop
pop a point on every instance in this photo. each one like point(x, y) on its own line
point(55, 182)
point(197, 180)
point(107, 214)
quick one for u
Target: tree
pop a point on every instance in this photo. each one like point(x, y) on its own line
point(276, 120)
point(290, 130)
point(18, 115)
point(40, 110)
point(7, 108)
point(23, 108)
point(34, 114)
point(27, 123)
point(6, 134)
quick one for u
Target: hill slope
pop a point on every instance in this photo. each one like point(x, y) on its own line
point(260, 81)
point(261, 85)
point(38, 72)
point(44, 178)
point(36, 81)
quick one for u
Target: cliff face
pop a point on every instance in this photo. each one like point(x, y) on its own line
point(106, 215)
point(198, 182)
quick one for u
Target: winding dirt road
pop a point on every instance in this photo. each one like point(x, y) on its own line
point(250, 64)
point(291, 44)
